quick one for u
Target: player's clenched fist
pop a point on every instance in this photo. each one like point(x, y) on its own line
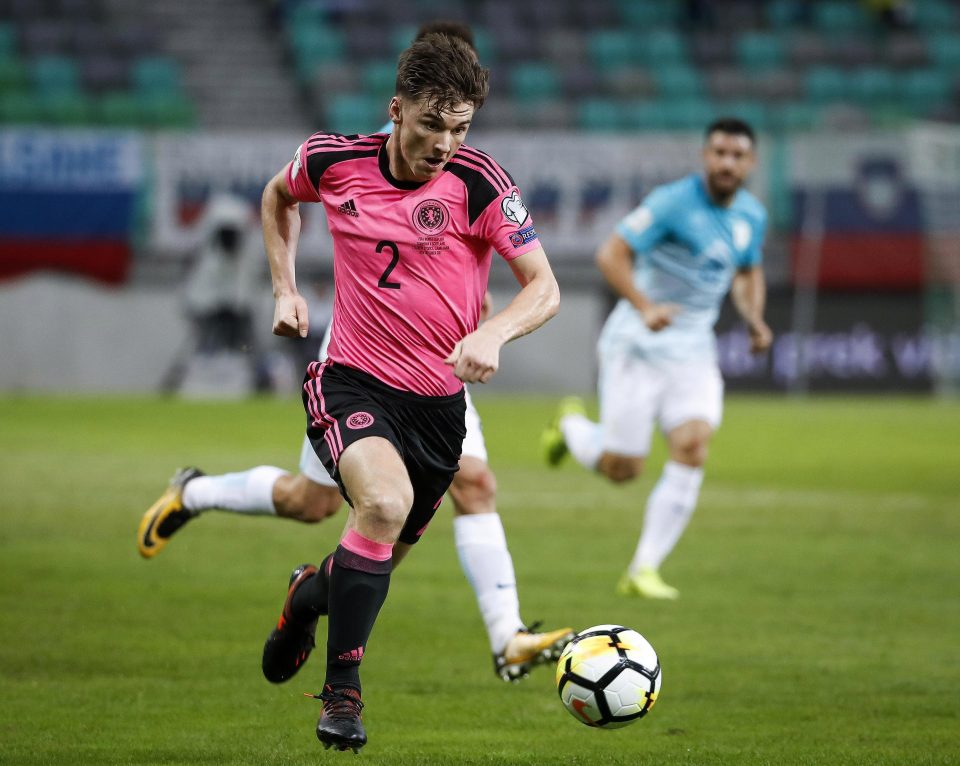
point(290, 316)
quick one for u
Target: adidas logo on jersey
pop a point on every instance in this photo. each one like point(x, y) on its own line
point(349, 208)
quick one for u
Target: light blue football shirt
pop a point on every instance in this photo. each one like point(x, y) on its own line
point(687, 250)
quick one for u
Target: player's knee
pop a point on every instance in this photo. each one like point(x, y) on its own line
point(300, 499)
point(474, 488)
point(384, 508)
point(692, 452)
point(620, 469)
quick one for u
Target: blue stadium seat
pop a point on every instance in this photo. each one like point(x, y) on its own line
point(533, 82)
point(839, 16)
point(612, 49)
point(935, 15)
point(826, 84)
point(945, 50)
point(351, 114)
point(156, 74)
point(872, 85)
point(315, 45)
point(925, 89)
point(379, 79)
point(678, 81)
point(601, 115)
point(55, 74)
point(8, 41)
point(760, 50)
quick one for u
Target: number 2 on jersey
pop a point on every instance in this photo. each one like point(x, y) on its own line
point(392, 246)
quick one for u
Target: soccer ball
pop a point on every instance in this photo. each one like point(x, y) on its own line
point(608, 676)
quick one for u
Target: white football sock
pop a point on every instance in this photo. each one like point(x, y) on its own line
point(249, 492)
point(482, 547)
point(669, 509)
point(583, 438)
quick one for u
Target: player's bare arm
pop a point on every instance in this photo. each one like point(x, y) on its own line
point(477, 357)
point(280, 216)
point(749, 295)
point(615, 261)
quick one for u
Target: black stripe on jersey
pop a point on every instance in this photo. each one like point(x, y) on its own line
point(480, 190)
point(319, 162)
point(481, 158)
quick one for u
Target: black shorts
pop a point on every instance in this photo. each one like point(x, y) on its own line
point(345, 405)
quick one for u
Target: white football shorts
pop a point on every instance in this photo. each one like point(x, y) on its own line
point(473, 446)
point(636, 394)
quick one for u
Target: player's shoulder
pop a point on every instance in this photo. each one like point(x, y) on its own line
point(678, 194)
point(483, 177)
point(746, 203)
point(324, 149)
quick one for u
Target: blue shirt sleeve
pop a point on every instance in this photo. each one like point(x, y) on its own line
point(649, 223)
point(754, 254)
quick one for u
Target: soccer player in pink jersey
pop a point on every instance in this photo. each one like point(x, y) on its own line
point(414, 217)
point(311, 496)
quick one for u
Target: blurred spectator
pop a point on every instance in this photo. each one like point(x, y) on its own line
point(896, 14)
point(221, 288)
point(219, 297)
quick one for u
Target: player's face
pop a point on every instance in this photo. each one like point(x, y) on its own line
point(425, 138)
point(728, 160)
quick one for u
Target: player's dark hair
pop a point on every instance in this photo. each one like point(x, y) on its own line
point(452, 28)
point(444, 70)
point(733, 126)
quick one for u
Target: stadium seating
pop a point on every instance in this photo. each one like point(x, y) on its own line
point(604, 65)
point(63, 63)
point(653, 65)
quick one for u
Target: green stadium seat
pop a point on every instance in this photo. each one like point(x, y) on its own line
point(351, 114)
point(170, 109)
point(13, 75)
point(20, 108)
point(840, 16)
point(686, 114)
point(119, 109)
point(612, 49)
point(314, 45)
point(944, 49)
point(67, 109)
point(486, 48)
point(923, 89)
point(647, 116)
point(661, 47)
point(934, 15)
point(401, 37)
point(379, 79)
point(643, 14)
point(782, 14)
point(678, 81)
point(753, 112)
point(532, 82)
point(54, 74)
point(872, 85)
point(760, 50)
point(156, 74)
point(792, 117)
point(8, 41)
point(305, 15)
point(826, 84)
point(601, 115)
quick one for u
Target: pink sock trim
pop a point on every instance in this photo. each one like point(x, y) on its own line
point(354, 542)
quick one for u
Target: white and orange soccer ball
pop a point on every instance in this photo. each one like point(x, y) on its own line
point(608, 676)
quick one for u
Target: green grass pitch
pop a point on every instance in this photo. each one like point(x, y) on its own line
point(819, 621)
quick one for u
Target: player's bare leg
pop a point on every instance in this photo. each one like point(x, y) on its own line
point(261, 491)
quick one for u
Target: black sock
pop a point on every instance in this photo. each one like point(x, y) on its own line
point(310, 600)
point(358, 588)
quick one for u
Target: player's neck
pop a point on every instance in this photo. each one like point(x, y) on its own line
point(718, 198)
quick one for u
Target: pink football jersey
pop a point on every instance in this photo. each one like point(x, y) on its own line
point(411, 260)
